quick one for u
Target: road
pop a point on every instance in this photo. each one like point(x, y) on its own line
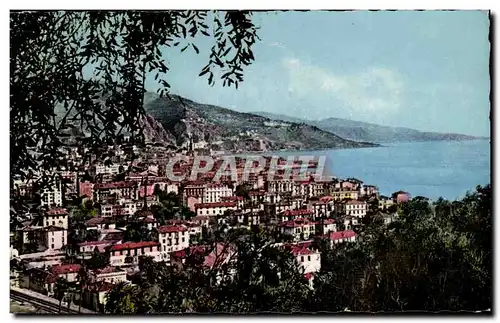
point(43, 303)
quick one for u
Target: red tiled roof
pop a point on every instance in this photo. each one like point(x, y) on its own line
point(342, 235)
point(171, 228)
point(65, 269)
point(57, 211)
point(133, 245)
point(215, 255)
point(326, 198)
point(296, 251)
point(181, 254)
point(214, 205)
point(114, 185)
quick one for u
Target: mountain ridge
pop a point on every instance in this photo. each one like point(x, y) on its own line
point(371, 132)
point(187, 122)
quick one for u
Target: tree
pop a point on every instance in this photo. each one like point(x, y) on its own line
point(125, 298)
point(427, 260)
point(137, 231)
point(60, 289)
point(91, 66)
point(98, 260)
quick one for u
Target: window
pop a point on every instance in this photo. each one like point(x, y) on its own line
point(302, 259)
point(52, 246)
point(308, 258)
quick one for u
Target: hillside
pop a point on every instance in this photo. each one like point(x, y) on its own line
point(364, 131)
point(182, 121)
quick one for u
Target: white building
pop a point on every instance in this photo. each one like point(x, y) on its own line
point(51, 196)
point(172, 238)
point(54, 238)
point(309, 260)
point(129, 252)
point(113, 169)
point(341, 236)
point(109, 274)
point(300, 229)
point(215, 191)
point(355, 208)
point(213, 209)
point(56, 217)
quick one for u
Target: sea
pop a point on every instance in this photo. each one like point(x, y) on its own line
point(432, 169)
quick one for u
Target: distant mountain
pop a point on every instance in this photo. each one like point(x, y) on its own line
point(364, 131)
point(182, 122)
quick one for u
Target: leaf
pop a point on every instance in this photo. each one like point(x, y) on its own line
point(203, 72)
point(195, 49)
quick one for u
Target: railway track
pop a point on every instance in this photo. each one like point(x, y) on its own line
point(43, 304)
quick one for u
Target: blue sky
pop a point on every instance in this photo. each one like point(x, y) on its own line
point(427, 70)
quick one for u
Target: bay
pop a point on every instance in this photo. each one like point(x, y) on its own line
point(432, 169)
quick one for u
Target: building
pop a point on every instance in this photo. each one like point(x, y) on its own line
point(109, 274)
point(56, 217)
point(87, 190)
point(172, 238)
point(299, 229)
point(291, 215)
point(237, 199)
point(126, 190)
point(53, 238)
point(326, 226)
point(342, 194)
point(368, 190)
point(43, 280)
point(51, 196)
point(129, 252)
point(385, 202)
point(113, 169)
point(202, 220)
point(309, 260)
point(213, 209)
point(215, 191)
point(341, 236)
point(355, 208)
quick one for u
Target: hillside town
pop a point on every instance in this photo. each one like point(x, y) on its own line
point(90, 225)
